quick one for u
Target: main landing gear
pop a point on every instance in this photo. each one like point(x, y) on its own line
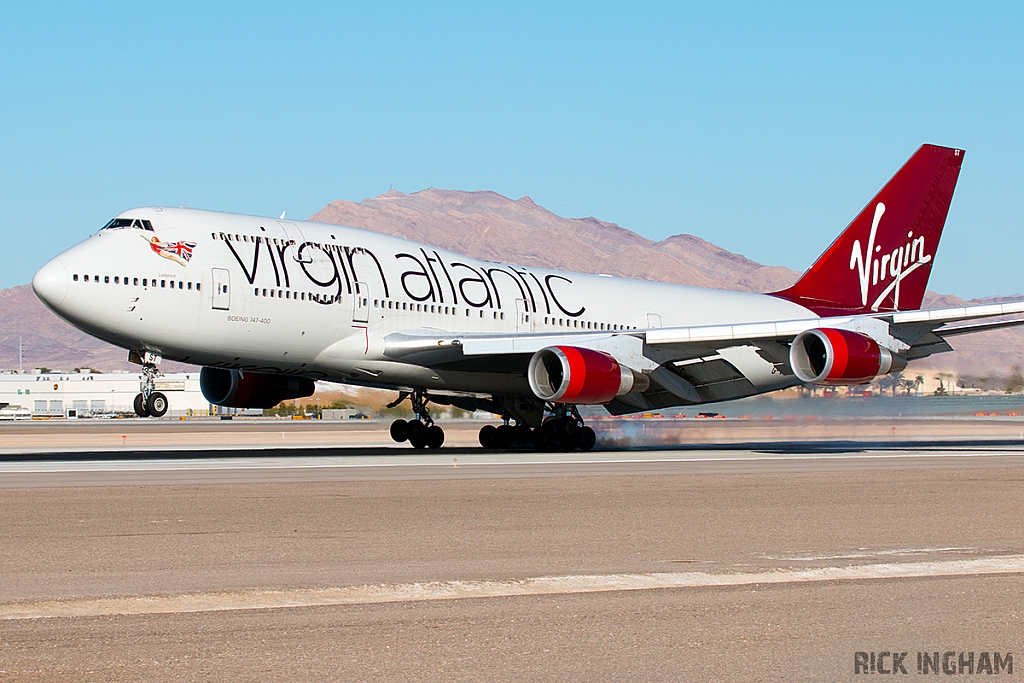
point(150, 402)
point(564, 431)
point(420, 432)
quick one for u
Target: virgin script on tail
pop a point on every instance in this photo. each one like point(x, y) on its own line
point(899, 264)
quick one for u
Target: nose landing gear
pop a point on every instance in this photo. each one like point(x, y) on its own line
point(420, 432)
point(150, 402)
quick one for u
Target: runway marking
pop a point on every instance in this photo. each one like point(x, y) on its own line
point(457, 590)
point(247, 464)
point(864, 553)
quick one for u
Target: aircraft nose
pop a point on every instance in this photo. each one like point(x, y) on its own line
point(51, 283)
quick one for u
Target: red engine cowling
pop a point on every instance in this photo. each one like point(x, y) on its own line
point(241, 389)
point(833, 357)
point(568, 374)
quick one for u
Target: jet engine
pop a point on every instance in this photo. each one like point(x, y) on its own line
point(243, 389)
point(569, 374)
point(832, 357)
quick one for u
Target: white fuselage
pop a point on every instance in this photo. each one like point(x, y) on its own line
point(319, 300)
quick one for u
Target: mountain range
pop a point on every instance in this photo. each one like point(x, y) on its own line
point(490, 226)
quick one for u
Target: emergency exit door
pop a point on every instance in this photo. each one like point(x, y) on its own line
point(361, 304)
point(523, 323)
point(221, 289)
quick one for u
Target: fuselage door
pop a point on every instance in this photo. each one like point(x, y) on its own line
point(523, 323)
point(293, 234)
point(654, 320)
point(221, 289)
point(361, 303)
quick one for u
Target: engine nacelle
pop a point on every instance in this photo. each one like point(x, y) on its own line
point(832, 357)
point(569, 374)
point(243, 389)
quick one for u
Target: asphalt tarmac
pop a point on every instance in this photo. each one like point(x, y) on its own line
point(774, 560)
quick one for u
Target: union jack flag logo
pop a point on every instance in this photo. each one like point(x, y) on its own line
point(179, 252)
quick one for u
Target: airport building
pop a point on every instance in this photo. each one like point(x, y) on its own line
point(75, 395)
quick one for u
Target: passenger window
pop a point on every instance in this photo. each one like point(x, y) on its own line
point(117, 280)
point(163, 283)
point(197, 287)
point(190, 286)
point(75, 277)
point(144, 281)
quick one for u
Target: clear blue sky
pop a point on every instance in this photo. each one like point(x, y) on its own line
point(763, 129)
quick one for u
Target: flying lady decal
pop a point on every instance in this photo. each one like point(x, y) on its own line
point(179, 252)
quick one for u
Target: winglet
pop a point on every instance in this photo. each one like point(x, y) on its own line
point(883, 259)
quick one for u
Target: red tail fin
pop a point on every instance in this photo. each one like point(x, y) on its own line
point(883, 259)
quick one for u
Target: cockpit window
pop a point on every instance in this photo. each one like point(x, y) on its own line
point(137, 223)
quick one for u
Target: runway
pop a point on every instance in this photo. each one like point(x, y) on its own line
point(769, 560)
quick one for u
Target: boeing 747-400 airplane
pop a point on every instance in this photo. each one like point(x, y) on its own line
point(268, 306)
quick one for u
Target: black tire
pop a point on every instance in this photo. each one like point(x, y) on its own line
point(140, 406)
point(522, 436)
point(504, 436)
point(399, 430)
point(568, 427)
point(541, 439)
point(488, 436)
point(435, 437)
point(418, 442)
point(588, 439)
point(415, 430)
point(156, 404)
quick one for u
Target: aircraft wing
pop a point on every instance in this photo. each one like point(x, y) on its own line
point(913, 334)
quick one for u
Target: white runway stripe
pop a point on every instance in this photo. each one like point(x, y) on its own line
point(455, 590)
point(427, 461)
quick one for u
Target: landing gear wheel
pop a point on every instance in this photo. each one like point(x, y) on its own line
point(156, 404)
point(522, 436)
point(488, 436)
point(415, 430)
point(140, 406)
point(587, 439)
point(504, 436)
point(541, 439)
point(399, 430)
point(418, 442)
point(434, 437)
